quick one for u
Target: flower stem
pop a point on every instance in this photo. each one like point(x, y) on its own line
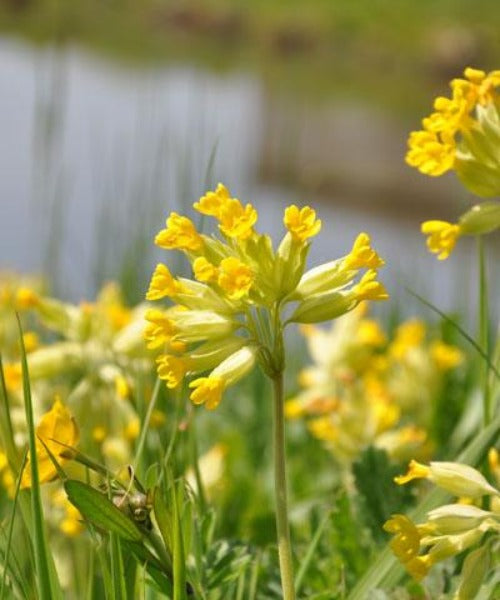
point(282, 527)
point(483, 328)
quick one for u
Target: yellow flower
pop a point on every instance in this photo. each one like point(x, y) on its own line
point(13, 376)
point(162, 284)
point(132, 429)
point(26, 298)
point(57, 429)
point(158, 418)
point(99, 433)
point(207, 391)
point(301, 223)
point(370, 333)
point(171, 369)
point(428, 154)
point(456, 478)
point(370, 289)
point(211, 203)
point(406, 541)
point(418, 566)
point(71, 525)
point(204, 270)
point(180, 234)
point(442, 237)
point(445, 356)
point(362, 255)
point(235, 277)
point(122, 387)
point(236, 220)
point(159, 330)
point(408, 335)
point(31, 341)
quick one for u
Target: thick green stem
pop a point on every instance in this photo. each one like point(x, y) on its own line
point(484, 329)
point(282, 528)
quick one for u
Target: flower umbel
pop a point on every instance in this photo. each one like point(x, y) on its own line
point(238, 277)
point(450, 529)
point(462, 134)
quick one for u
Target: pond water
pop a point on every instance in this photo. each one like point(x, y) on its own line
point(94, 155)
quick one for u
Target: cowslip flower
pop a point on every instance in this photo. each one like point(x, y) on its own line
point(233, 314)
point(442, 235)
point(219, 316)
point(461, 134)
point(458, 479)
point(56, 431)
point(363, 388)
point(449, 529)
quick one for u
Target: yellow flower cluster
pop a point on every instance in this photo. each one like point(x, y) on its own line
point(366, 389)
point(435, 149)
point(221, 321)
point(449, 529)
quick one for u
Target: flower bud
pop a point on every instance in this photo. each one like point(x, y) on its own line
point(482, 218)
point(456, 518)
point(323, 307)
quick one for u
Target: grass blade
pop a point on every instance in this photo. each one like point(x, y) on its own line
point(47, 582)
point(11, 525)
point(462, 331)
point(178, 545)
point(310, 554)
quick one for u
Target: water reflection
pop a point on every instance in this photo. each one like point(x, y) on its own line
point(94, 156)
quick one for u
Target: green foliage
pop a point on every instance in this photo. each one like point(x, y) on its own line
point(380, 498)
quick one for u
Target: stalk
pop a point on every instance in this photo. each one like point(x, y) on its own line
point(483, 329)
point(282, 527)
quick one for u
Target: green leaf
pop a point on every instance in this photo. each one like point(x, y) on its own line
point(163, 519)
point(100, 511)
point(374, 477)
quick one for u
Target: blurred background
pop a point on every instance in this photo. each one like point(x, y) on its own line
point(115, 112)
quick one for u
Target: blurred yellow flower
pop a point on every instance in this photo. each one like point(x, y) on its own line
point(57, 430)
point(442, 237)
point(445, 356)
